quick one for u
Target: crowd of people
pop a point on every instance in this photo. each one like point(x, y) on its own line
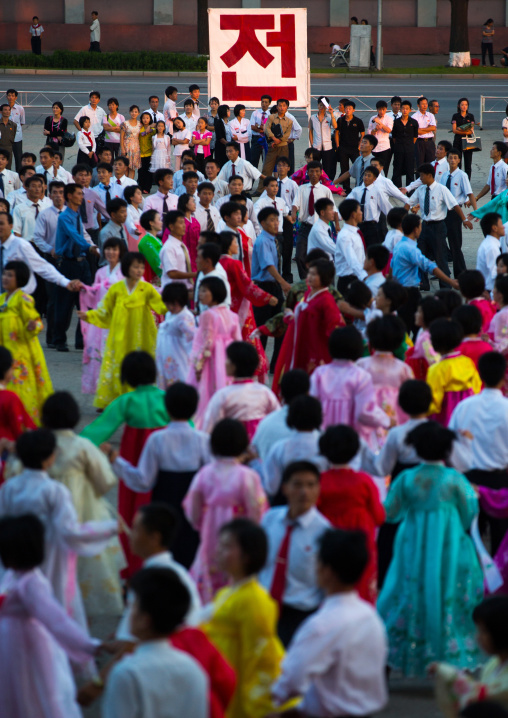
point(295, 519)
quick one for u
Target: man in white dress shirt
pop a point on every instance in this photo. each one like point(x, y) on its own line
point(373, 201)
point(380, 126)
point(19, 196)
point(235, 187)
point(157, 675)
point(485, 416)
point(435, 200)
point(153, 110)
point(287, 190)
point(368, 144)
point(174, 257)
point(207, 215)
point(236, 166)
point(293, 533)
point(121, 179)
point(305, 201)
point(321, 127)
point(95, 33)
point(212, 169)
point(496, 179)
point(18, 117)
point(440, 165)
point(169, 110)
point(9, 180)
point(48, 169)
point(320, 236)
point(94, 112)
point(269, 198)
point(25, 214)
point(257, 122)
point(163, 200)
point(349, 248)
point(427, 125)
point(337, 658)
point(490, 248)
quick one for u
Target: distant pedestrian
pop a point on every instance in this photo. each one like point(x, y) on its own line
point(487, 42)
point(36, 31)
point(18, 117)
point(95, 33)
point(7, 131)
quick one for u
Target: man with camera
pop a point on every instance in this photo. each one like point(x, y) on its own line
point(277, 130)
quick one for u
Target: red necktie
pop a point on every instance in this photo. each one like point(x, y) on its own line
point(118, 181)
point(233, 170)
point(275, 204)
point(493, 181)
point(435, 165)
point(311, 201)
point(281, 564)
point(363, 239)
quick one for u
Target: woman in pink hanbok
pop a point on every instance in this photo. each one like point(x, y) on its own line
point(218, 327)
point(94, 338)
point(498, 330)
point(37, 637)
point(388, 373)
point(221, 491)
point(345, 390)
point(187, 205)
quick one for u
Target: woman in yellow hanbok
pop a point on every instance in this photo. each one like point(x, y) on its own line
point(126, 311)
point(243, 622)
point(20, 323)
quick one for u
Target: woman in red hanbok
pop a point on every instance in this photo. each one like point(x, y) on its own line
point(305, 344)
point(244, 293)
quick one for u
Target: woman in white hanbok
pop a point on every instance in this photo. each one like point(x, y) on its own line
point(174, 336)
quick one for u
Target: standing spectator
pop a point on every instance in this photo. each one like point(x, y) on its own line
point(9, 180)
point(381, 126)
point(54, 128)
point(277, 131)
point(129, 140)
point(86, 143)
point(146, 135)
point(238, 167)
point(241, 132)
point(36, 31)
point(425, 145)
point(367, 145)
point(95, 33)
point(201, 139)
point(463, 117)
point(434, 109)
point(496, 179)
point(18, 117)
point(210, 120)
point(320, 135)
point(111, 125)
point(153, 111)
point(490, 249)
point(458, 183)
point(394, 113)
point(7, 132)
point(94, 112)
point(351, 131)
point(26, 213)
point(169, 109)
point(487, 42)
point(222, 133)
point(404, 137)
point(194, 93)
point(259, 145)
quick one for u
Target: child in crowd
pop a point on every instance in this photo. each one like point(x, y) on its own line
point(394, 220)
point(218, 327)
point(20, 323)
point(85, 471)
point(359, 296)
point(161, 148)
point(33, 491)
point(180, 140)
point(470, 319)
point(168, 462)
point(305, 417)
point(201, 139)
point(345, 390)
point(39, 639)
point(126, 311)
point(350, 499)
point(345, 629)
point(393, 298)
point(94, 337)
point(187, 205)
point(423, 354)
point(156, 673)
point(435, 578)
point(221, 491)
point(245, 399)
point(450, 298)
point(14, 418)
point(456, 688)
point(175, 336)
point(454, 377)
point(146, 135)
point(86, 143)
point(244, 618)
point(472, 288)
point(502, 264)
point(377, 257)
point(142, 411)
point(150, 245)
point(388, 373)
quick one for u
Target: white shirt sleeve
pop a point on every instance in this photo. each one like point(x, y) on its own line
point(38, 265)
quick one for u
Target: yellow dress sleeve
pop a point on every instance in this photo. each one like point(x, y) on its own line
point(436, 383)
point(155, 302)
point(25, 308)
point(102, 316)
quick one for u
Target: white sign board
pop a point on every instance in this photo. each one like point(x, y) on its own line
point(257, 52)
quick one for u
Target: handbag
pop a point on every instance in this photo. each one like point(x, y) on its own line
point(68, 139)
point(471, 144)
point(100, 140)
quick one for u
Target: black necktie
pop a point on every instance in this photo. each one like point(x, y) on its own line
point(122, 234)
point(82, 210)
point(330, 233)
point(280, 189)
point(155, 116)
point(48, 180)
point(362, 170)
point(2, 188)
point(209, 221)
point(449, 182)
point(108, 193)
point(36, 205)
point(362, 203)
point(426, 202)
point(165, 208)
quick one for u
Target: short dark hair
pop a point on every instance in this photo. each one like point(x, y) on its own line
point(445, 335)
point(297, 467)
point(176, 292)
point(492, 613)
point(305, 413)
point(128, 193)
point(347, 207)
point(409, 223)
point(345, 553)
point(373, 170)
point(252, 541)
point(294, 382)
point(234, 145)
point(450, 298)
point(265, 213)
point(115, 204)
point(314, 165)
point(48, 151)
point(225, 240)
point(205, 185)
point(427, 169)
point(492, 368)
point(227, 209)
point(161, 173)
point(325, 269)
point(455, 151)
point(339, 444)
point(115, 242)
point(431, 441)
point(471, 283)
point(415, 397)
point(5, 153)
point(34, 447)
point(12, 91)
point(395, 292)
point(158, 517)
point(314, 153)
point(170, 89)
point(229, 438)
point(216, 287)
point(380, 104)
point(501, 285)
point(189, 174)
point(60, 411)
point(210, 251)
point(138, 369)
point(6, 362)
point(488, 221)
point(346, 343)
point(36, 178)
point(322, 204)
point(395, 98)
point(432, 308)
point(181, 401)
point(502, 258)
point(8, 215)
point(386, 333)
point(406, 102)
point(244, 357)
point(447, 146)
point(21, 542)
point(55, 184)
point(84, 119)
point(379, 254)
point(172, 216)
point(113, 99)
point(161, 595)
point(358, 294)
point(21, 271)
point(268, 180)
point(106, 165)
point(500, 146)
point(469, 317)
point(371, 140)
point(123, 159)
point(314, 254)
point(395, 216)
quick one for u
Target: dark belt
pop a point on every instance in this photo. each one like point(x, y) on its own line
point(369, 221)
point(73, 259)
point(432, 221)
point(425, 139)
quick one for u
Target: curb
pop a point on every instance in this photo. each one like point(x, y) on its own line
point(408, 76)
point(100, 73)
